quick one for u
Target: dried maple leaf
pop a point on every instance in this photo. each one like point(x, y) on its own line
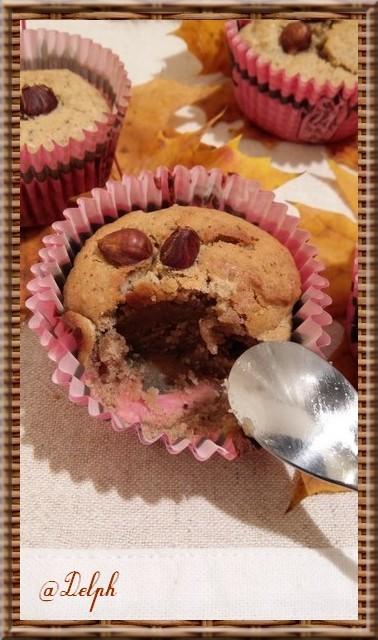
point(150, 113)
point(345, 152)
point(305, 486)
point(335, 237)
point(221, 99)
point(206, 39)
point(253, 132)
point(228, 158)
point(347, 183)
point(178, 149)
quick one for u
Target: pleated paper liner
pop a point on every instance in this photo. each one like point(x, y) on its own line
point(153, 191)
point(289, 107)
point(51, 178)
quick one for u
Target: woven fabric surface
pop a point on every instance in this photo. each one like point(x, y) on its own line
point(83, 485)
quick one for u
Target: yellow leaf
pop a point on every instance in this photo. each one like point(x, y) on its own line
point(335, 237)
point(221, 99)
point(347, 183)
point(170, 151)
point(207, 41)
point(344, 152)
point(150, 112)
point(305, 486)
point(229, 158)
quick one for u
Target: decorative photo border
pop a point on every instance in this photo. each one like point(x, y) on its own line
point(10, 331)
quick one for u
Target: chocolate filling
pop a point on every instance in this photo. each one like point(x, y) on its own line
point(181, 339)
point(170, 344)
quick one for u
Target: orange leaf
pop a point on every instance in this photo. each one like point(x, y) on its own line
point(151, 110)
point(335, 237)
point(347, 183)
point(178, 149)
point(221, 99)
point(229, 158)
point(207, 41)
point(305, 486)
point(150, 116)
point(345, 152)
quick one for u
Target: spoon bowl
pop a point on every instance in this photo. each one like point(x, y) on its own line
point(298, 407)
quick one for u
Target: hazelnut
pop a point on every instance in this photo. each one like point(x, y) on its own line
point(37, 100)
point(295, 37)
point(125, 247)
point(180, 249)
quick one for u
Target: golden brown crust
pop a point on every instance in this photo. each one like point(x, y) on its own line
point(87, 334)
point(244, 268)
point(332, 55)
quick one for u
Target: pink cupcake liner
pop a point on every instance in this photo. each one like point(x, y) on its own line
point(153, 191)
point(288, 106)
point(50, 179)
point(352, 310)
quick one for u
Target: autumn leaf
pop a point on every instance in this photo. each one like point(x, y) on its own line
point(206, 40)
point(344, 152)
point(221, 99)
point(335, 237)
point(149, 122)
point(253, 132)
point(229, 158)
point(150, 112)
point(178, 149)
point(305, 486)
point(347, 183)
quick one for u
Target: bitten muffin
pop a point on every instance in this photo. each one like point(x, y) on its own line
point(324, 50)
point(56, 105)
point(163, 304)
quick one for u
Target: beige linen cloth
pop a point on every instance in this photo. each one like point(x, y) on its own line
point(83, 485)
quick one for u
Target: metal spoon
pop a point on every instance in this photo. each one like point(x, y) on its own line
point(299, 408)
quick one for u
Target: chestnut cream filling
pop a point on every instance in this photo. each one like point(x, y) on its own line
point(169, 344)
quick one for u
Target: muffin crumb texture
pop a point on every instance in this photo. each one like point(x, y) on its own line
point(326, 50)
point(80, 106)
point(160, 335)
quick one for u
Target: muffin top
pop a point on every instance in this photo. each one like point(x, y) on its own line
point(326, 50)
point(56, 105)
point(183, 251)
point(164, 303)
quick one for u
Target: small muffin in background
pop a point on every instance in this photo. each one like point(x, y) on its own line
point(73, 98)
point(297, 79)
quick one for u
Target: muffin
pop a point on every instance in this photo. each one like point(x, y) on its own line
point(73, 98)
point(297, 79)
point(50, 110)
point(187, 263)
point(166, 301)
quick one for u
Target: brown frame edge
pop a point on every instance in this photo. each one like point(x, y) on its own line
point(365, 626)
